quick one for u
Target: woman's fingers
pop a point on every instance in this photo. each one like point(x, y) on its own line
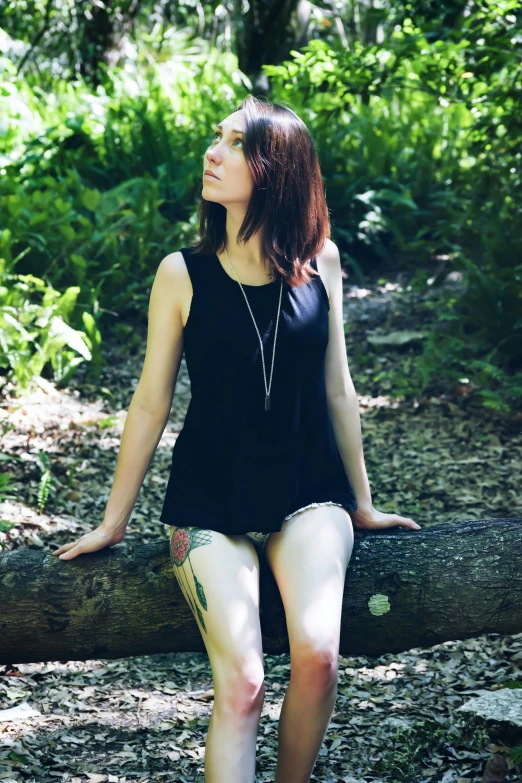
point(392, 520)
point(407, 522)
point(90, 542)
point(70, 554)
point(64, 548)
point(68, 551)
point(374, 519)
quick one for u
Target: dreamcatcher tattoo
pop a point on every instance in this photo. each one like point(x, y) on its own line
point(182, 541)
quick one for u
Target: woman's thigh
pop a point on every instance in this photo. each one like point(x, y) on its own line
point(219, 578)
point(309, 557)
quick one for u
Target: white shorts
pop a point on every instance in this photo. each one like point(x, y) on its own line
point(259, 539)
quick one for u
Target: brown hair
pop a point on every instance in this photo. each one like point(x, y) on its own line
point(288, 199)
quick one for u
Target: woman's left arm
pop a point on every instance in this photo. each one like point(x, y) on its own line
point(343, 404)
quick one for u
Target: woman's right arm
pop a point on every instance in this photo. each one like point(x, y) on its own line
point(149, 408)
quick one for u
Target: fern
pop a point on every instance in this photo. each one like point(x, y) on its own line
point(35, 333)
point(5, 485)
point(72, 472)
point(44, 487)
point(45, 483)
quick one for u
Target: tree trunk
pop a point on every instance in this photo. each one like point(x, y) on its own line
point(264, 36)
point(403, 589)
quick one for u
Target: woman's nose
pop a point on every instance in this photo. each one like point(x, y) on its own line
point(211, 155)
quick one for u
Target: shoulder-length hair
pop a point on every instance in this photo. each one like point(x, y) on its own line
point(288, 203)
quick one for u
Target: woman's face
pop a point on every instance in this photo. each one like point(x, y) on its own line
point(226, 159)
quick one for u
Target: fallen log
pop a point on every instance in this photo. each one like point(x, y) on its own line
point(403, 589)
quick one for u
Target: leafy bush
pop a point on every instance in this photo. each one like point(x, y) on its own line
point(419, 141)
point(35, 333)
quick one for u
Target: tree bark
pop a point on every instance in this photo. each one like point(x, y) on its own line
point(403, 589)
point(264, 36)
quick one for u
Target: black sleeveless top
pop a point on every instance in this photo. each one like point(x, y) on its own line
point(236, 467)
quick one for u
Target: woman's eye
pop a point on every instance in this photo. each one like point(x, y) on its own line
point(219, 134)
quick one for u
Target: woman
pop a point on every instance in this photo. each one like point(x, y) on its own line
point(269, 460)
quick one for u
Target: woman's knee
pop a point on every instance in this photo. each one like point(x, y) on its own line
point(239, 687)
point(314, 663)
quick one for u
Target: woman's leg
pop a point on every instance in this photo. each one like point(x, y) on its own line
point(309, 558)
point(219, 577)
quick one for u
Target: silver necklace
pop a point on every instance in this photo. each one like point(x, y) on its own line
point(267, 388)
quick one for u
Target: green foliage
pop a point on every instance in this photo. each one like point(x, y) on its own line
point(410, 744)
point(34, 330)
point(72, 472)
point(45, 483)
point(409, 134)
point(5, 486)
point(465, 348)
point(6, 492)
point(420, 145)
point(419, 142)
point(91, 203)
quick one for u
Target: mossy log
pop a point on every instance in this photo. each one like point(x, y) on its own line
point(403, 589)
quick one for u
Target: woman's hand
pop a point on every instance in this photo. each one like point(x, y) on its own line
point(371, 519)
point(96, 539)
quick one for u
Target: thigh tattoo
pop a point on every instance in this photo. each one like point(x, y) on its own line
point(182, 541)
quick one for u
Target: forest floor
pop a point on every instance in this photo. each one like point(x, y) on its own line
point(442, 457)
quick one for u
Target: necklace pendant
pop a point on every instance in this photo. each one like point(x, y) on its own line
point(267, 403)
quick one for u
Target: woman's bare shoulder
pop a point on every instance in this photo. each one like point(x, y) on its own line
point(328, 262)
